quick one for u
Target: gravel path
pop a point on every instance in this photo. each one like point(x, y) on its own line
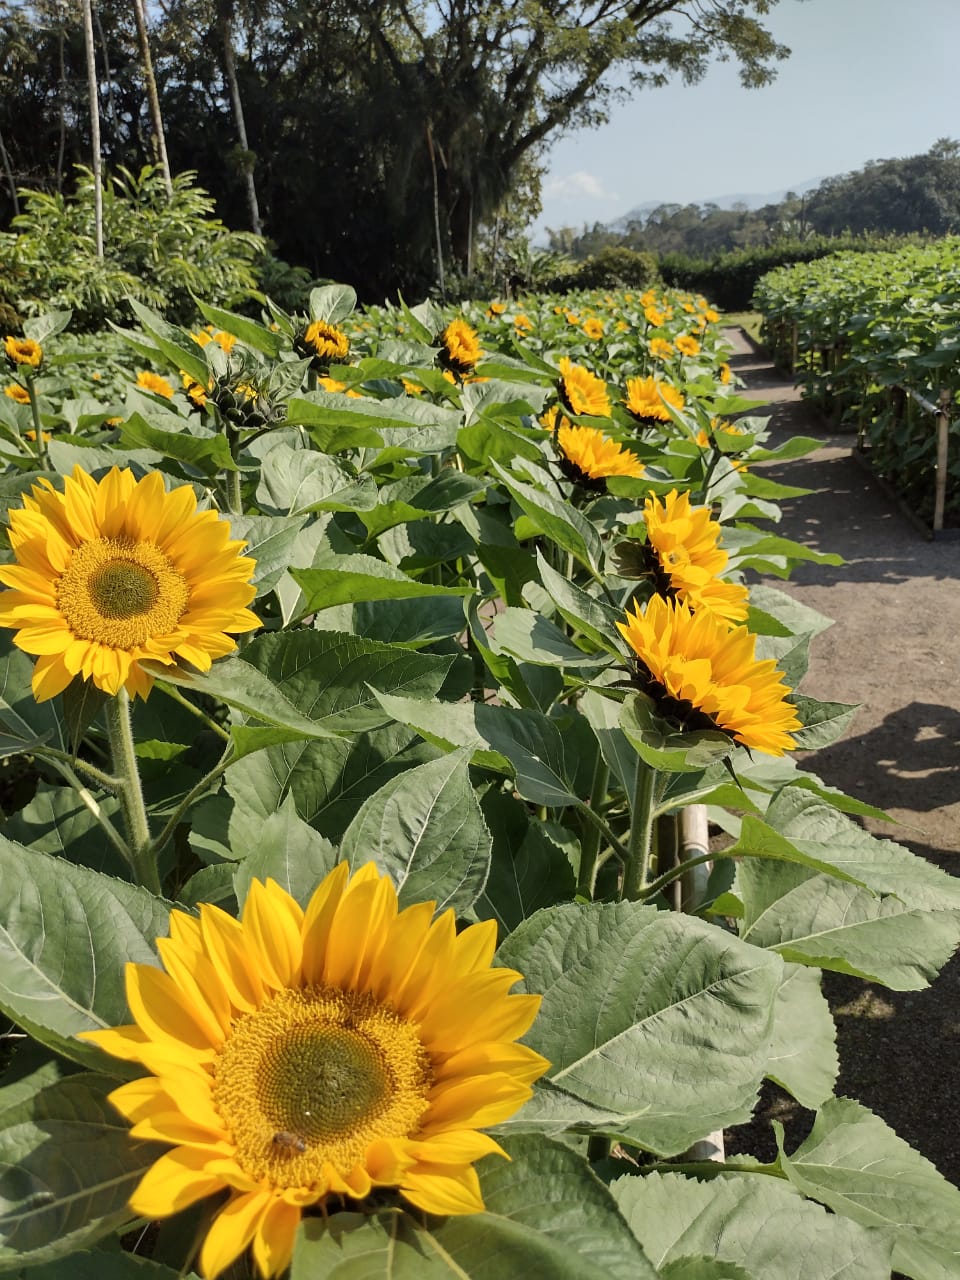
point(894, 648)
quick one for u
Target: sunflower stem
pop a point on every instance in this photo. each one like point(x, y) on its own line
point(233, 490)
point(37, 429)
point(676, 872)
point(193, 794)
point(111, 832)
point(120, 735)
point(640, 844)
point(590, 840)
point(617, 848)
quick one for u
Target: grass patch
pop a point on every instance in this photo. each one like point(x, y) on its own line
point(750, 321)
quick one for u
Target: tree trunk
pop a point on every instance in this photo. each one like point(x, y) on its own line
point(159, 138)
point(8, 174)
point(230, 71)
point(94, 125)
point(62, 147)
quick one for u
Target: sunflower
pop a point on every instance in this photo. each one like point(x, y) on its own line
point(661, 349)
point(687, 345)
point(496, 309)
point(705, 439)
point(304, 1057)
point(685, 559)
point(581, 391)
point(225, 341)
point(108, 573)
point(459, 348)
point(20, 394)
point(647, 399)
point(522, 324)
point(654, 316)
point(333, 384)
point(322, 343)
point(153, 382)
point(725, 373)
point(23, 353)
point(194, 392)
point(593, 328)
point(702, 674)
point(588, 456)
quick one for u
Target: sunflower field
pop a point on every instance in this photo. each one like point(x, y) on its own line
point(369, 679)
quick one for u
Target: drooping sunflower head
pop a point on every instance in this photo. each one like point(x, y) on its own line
point(154, 382)
point(647, 399)
point(23, 354)
point(588, 457)
point(113, 572)
point(459, 348)
point(702, 674)
point(17, 393)
point(323, 343)
point(581, 391)
point(686, 559)
point(300, 1058)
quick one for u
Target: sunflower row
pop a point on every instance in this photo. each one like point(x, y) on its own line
point(417, 493)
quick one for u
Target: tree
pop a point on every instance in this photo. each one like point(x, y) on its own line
point(152, 96)
point(916, 193)
point(342, 102)
point(94, 96)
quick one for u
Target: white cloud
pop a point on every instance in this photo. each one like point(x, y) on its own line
point(577, 186)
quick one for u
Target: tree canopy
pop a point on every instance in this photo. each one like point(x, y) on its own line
point(377, 133)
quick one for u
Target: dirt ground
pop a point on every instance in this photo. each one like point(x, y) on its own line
point(894, 648)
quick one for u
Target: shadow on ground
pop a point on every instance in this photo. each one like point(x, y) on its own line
point(893, 650)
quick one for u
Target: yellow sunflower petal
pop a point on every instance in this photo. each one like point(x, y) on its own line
point(164, 1012)
point(233, 1229)
point(438, 1189)
point(274, 1238)
point(174, 1182)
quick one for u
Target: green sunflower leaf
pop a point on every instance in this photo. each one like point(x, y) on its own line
point(270, 541)
point(24, 722)
point(287, 850)
point(424, 828)
point(856, 1165)
point(547, 1217)
point(757, 1223)
point(327, 675)
point(360, 578)
point(328, 780)
point(72, 1167)
point(296, 481)
point(209, 453)
point(657, 1024)
point(803, 1052)
point(248, 331)
point(817, 920)
point(66, 934)
point(560, 521)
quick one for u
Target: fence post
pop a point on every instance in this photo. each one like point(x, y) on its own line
point(943, 433)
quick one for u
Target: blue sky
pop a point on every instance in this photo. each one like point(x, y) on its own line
point(866, 80)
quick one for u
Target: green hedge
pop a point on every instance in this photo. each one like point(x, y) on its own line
point(729, 279)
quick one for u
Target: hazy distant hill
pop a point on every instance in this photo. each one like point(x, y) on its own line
point(751, 199)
